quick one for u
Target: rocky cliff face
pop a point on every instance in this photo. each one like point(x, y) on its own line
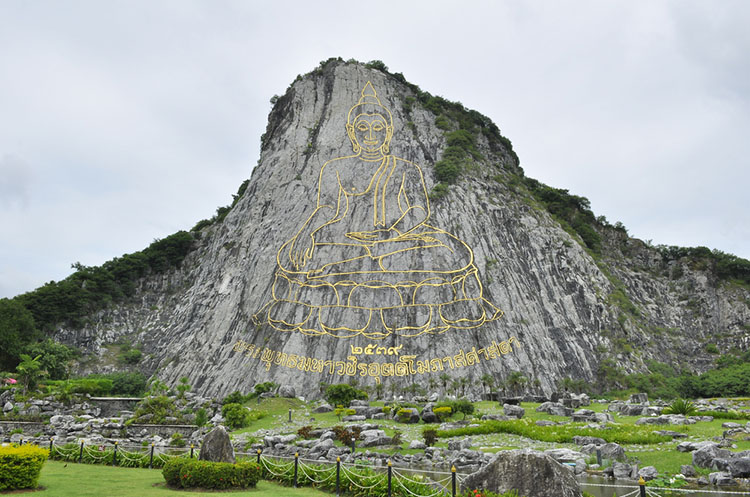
point(488, 283)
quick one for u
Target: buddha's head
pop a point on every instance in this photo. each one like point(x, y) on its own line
point(369, 126)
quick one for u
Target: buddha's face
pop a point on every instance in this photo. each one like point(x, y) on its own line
point(370, 131)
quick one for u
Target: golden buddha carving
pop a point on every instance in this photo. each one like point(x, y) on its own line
point(366, 262)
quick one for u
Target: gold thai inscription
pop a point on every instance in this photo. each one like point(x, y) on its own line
point(406, 365)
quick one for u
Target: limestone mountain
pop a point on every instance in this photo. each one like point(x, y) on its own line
point(390, 236)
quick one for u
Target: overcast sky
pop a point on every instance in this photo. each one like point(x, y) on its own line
point(126, 121)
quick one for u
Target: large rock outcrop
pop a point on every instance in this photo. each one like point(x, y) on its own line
point(488, 283)
point(531, 473)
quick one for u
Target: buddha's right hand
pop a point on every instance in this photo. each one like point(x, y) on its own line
point(301, 251)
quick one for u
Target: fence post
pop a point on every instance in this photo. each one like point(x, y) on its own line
point(114, 458)
point(191, 450)
point(290, 414)
point(453, 481)
point(390, 476)
point(354, 440)
point(151, 459)
point(259, 451)
point(642, 485)
point(50, 445)
point(296, 464)
point(80, 454)
point(599, 457)
point(338, 476)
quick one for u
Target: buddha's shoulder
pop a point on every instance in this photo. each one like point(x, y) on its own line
point(406, 165)
point(340, 162)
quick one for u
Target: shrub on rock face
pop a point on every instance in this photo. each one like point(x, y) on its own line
point(192, 473)
point(20, 466)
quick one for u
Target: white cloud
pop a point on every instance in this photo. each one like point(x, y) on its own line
point(123, 122)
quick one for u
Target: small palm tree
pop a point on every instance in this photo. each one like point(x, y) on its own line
point(30, 370)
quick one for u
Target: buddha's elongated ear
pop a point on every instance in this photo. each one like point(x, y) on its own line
point(350, 132)
point(387, 141)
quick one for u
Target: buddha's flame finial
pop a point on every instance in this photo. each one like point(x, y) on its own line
point(368, 95)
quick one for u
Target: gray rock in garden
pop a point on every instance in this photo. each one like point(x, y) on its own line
point(580, 440)
point(217, 419)
point(267, 395)
point(371, 434)
point(555, 408)
point(514, 411)
point(731, 425)
point(721, 479)
point(739, 467)
point(703, 458)
point(322, 446)
point(639, 398)
point(500, 417)
point(622, 471)
point(634, 410)
point(583, 416)
point(428, 416)
point(459, 444)
point(323, 408)
point(686, 447)
point(611, 451)
point(287, 392)
point(648, 473)
point(433, 397)
point(580, 466)
point(354, 417)
point(217, 446)
point(376, 441)
point(603, 417)
point(359, 403)
point(545, 422)
point(531, 473)
point(416, 444)
point(688, 471)
point(564, 455)
point(413, 416)
point(720, 464)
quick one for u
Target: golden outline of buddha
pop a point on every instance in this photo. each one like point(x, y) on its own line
point(366, 262)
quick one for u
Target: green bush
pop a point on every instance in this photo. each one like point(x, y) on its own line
point(430, 436)
point(681, 406)
point(463, 406)
point(622, 434)
point(159, 408)
point(236, 415)
point(343, 394)
point(442, 412)
point(235, 397)
point(20, 466)
point(201, 416)
point(192, 473)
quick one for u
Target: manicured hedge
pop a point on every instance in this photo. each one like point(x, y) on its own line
point(192, 473)
point(20, 466)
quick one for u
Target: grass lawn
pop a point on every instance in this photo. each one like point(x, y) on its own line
point(89, 480)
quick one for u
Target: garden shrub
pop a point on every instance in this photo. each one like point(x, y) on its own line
point(442, 412)
point(430, 436)
point(235, 397)
point(236, 415)
point(20, 466)
point(192, 473)
point(343, 394)
point(622, 434)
